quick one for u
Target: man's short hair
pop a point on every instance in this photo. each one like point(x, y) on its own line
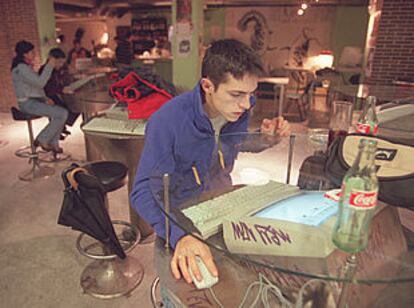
point(57, 53)
point(230, 56)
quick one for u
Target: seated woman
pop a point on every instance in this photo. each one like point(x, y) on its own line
point(31, 98)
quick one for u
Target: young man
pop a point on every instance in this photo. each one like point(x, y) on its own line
point(218, 105)
point(58, 80)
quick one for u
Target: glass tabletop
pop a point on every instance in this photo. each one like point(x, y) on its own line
point(260, 199)
point(97, 90)
point(382, 92)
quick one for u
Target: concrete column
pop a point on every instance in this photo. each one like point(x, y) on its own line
point(187, 42)
point(46, 26)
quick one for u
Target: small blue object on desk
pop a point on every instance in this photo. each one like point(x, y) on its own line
point(309, 208)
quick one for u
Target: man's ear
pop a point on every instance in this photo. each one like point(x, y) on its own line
point(207, 85)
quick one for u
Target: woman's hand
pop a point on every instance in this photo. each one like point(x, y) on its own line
point(52, 62)
point(187, 248)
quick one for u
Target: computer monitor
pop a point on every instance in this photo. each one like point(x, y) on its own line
point(83, 64)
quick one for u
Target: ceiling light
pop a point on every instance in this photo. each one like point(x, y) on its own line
point(304, 6)
point(300, 12)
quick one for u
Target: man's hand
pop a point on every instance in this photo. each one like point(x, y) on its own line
point(184, 257)
point(276, 126)
point(50, 102)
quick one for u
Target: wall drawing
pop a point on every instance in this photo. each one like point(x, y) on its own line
point(280, 36)
point(260, 38)
point(301, 46)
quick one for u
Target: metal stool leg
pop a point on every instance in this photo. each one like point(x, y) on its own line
point(155, 303)
point(28, 150)
point(36, 171)
point(108, 276)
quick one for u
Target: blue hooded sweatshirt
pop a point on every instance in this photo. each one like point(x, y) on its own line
point(178, 137)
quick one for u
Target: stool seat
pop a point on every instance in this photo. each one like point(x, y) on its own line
point(22, 116)
point(111, 174)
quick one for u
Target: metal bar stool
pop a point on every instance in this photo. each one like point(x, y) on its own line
point(36, 170)
point(108, 275)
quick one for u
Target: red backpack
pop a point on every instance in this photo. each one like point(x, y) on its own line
point(141, 105)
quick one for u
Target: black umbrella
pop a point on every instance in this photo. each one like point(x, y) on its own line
point(84, 209)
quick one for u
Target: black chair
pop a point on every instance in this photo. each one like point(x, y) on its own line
point(36, 170)
point(108, 276)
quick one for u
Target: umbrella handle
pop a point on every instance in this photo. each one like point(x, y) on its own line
point(71, 177)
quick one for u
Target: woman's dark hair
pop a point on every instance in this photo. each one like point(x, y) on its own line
point(57, 53)
point(22, 47)
point(232, 57)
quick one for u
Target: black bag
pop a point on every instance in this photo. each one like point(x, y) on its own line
point(394, 161)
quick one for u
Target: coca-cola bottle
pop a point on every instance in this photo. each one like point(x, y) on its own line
point(368, 121)
point(358, 200)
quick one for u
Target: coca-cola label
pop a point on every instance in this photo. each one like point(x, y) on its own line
point(366, 128)
point(363, 199)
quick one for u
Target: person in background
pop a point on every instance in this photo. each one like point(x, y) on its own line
point(31, 98)
point(58, 80)
point(77, 52)
point(123, 50)
point(219, 105)
point(61, 43)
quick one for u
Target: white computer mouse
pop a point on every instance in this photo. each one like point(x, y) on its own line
point(208, 280)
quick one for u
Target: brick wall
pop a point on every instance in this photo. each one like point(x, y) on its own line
point(394, 50)
point(17, 22)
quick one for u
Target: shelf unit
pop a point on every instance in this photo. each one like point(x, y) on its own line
point(146, 30)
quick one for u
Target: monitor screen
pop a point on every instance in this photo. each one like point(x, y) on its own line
point(310, 208)
point(83, 64)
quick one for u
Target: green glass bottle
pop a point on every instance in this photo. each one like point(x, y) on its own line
point(358, 200)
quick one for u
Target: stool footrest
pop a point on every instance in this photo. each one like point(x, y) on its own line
point(107, 279)
point(37, 171)
point(108, 276)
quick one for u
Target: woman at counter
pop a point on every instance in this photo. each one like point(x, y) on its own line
point(31, 98)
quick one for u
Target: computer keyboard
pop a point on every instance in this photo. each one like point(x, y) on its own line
point(118, 112)
point(74, 86)
point(115, 126)
point(209, 216)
